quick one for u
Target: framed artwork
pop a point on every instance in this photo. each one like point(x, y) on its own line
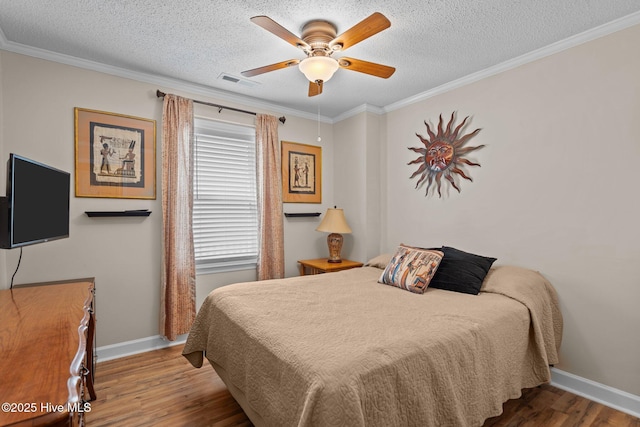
point(115, 155)
point(301, 173)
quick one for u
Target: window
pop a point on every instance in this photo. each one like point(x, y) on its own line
point(225, 211)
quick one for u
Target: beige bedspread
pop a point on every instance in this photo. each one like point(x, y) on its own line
point(340, 349)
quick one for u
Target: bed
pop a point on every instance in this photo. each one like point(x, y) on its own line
point(342, 349)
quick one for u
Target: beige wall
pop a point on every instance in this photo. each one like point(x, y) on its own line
point(358, 182)
point(557, 191)
point(123, 254)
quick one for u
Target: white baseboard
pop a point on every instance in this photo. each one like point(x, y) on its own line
point(609, 396)
point(129, 348)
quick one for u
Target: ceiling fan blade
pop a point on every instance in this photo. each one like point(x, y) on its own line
point(366, 67)
point(315, 88)
point(272, 67)
point(362, 30)
point(277, 29)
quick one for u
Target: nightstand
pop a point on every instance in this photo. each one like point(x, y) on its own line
point(321, 265)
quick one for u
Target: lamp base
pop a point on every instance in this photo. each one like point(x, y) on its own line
point(334, 241)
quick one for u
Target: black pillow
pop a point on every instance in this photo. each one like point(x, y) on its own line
point(461, 271)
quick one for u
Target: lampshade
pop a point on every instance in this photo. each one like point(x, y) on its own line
point(334, 222)
point(318, 68)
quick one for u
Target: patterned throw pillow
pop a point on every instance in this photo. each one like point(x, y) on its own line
point(411, 268)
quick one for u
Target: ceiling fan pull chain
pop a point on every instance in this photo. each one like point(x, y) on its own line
point(319, 138)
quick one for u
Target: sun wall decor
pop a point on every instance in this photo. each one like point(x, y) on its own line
point(443, 155)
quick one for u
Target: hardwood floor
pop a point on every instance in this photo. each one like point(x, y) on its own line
point(160, 388)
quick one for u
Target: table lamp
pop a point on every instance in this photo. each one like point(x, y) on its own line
point(334, 223)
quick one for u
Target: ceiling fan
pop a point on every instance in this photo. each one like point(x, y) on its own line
point(319, 42)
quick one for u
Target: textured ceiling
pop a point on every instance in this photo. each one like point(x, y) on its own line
point(430, 42)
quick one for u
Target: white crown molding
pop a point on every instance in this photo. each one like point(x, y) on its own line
point(601, 31)
point(578, 39)
point(172, 83)
point(364, 108)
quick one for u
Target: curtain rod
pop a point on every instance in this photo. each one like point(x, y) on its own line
point(160, 94)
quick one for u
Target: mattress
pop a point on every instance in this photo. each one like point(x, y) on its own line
point(341, 349)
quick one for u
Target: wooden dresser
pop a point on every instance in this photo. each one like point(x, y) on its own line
point(47, 344)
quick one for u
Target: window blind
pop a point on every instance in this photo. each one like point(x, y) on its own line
point(225, 212)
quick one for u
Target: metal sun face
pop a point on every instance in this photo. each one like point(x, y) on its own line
point(442, 155)
point(439, 156)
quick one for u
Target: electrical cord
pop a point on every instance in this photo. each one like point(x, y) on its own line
point(17, 266)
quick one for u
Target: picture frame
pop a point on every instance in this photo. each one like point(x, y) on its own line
point(301, 173)
point(115, 155)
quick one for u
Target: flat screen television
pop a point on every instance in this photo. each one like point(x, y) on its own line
point(36, 208)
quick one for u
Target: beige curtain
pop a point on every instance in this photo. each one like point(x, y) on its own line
point(178, 300)
point(271, 257)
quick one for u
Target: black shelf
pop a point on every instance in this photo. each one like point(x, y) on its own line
point(301, 214)
point(95, 214)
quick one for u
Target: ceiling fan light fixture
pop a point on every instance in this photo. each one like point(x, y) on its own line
point(318, 68)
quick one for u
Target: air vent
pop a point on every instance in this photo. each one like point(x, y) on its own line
point(229, 78)
point(237, 80)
